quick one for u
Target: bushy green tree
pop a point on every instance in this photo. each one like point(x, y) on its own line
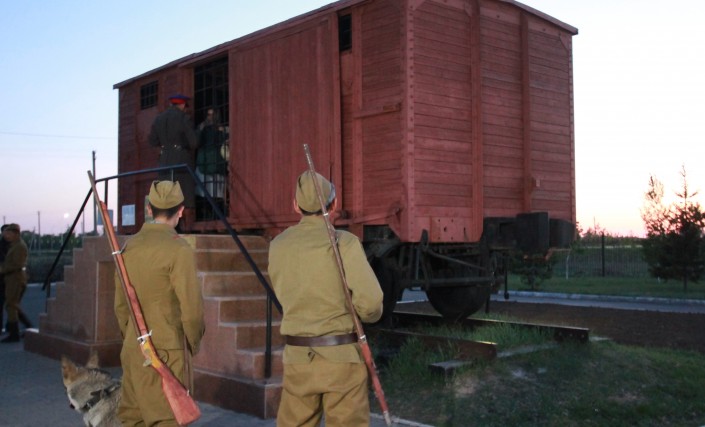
point(533, 269)
point(674, 244)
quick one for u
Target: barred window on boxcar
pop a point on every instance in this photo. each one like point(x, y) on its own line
point(148, 95)
point(345, 32)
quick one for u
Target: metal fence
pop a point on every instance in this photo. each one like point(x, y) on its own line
point(39, 264)
point(608, 261)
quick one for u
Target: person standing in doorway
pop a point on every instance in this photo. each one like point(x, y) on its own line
point(172, 131)
point(211, 165)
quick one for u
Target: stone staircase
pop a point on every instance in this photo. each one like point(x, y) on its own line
point(229, 370)
point(79, 317)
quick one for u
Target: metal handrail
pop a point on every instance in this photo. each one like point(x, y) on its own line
point(271, 297)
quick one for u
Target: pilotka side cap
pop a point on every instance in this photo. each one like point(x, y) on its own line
point(165, 194)
point(306, 196)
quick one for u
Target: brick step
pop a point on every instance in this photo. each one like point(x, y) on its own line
point(69, 277)
point(244, 308)
point(56, 319)
point(221, 349)
point(50, 325)
point(251, 362)
point(234, 283)
point(245, 363)
point(253, 334)
point(229, 260)
point(254, 397)
point(212, 241)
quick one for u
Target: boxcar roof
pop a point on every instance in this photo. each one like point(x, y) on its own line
point(342, 4)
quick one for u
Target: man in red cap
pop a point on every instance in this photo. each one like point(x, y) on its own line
point(173, 133)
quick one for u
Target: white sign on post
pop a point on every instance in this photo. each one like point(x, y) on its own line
point(128, 215)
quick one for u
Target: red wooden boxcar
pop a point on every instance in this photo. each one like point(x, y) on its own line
point(446, 125)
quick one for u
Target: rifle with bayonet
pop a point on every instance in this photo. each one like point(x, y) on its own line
point(180, 401)
point(361, 337)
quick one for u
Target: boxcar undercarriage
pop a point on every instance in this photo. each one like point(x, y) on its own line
point(458, 278)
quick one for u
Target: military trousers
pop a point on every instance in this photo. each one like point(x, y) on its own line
point(143, 402)
point(336, 389)
point(13, 296)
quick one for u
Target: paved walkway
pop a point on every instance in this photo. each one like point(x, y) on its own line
point(32, 395)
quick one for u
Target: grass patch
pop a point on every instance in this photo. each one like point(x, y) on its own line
point(407, 374)
point(503, 334)
point(599, 384)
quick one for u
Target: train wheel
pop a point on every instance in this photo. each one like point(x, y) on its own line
point(455, 303)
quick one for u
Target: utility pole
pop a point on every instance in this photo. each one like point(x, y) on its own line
point(95, 213)
point(39, 229)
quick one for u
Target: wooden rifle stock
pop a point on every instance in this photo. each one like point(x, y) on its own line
point(182, 404)
point(361, 337)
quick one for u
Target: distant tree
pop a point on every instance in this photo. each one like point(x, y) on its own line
point(673, 247)
point(533, 269)
point(597, 236)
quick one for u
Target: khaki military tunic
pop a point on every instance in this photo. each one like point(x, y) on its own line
point(161, 267)
point(13, 271)
point(306, 281)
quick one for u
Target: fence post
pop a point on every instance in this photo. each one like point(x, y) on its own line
point(603, 254)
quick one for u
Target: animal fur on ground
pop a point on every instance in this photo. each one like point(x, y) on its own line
point(92, 391)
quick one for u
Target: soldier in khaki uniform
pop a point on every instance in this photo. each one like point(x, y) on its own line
point(161, 267)
point(324, 371)
point(13, 271)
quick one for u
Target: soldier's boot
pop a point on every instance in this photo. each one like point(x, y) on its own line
point(13, 328)
point(24, 319)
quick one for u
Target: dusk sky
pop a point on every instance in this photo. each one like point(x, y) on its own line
point(638, 85)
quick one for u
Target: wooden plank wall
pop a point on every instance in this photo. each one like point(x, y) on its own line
point(443, 161)
point(527, 114)
point(502, 110)
point(351, 185)
point(493, 120)
point(553, 154)
point(282, 95)
point(377, 101)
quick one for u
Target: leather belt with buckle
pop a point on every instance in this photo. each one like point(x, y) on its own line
point(324, 341)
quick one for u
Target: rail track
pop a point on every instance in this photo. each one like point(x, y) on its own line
point(396, 331)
